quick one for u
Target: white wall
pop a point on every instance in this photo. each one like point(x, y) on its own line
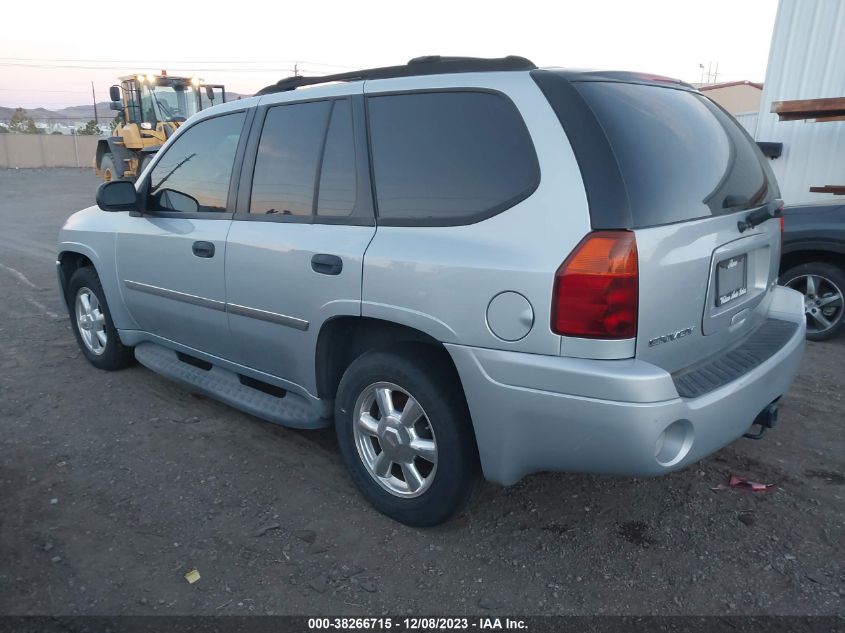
point(46, 150)
point(806, 61)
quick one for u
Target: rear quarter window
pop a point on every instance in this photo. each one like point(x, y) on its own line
point(680, 156)
point(445, 158)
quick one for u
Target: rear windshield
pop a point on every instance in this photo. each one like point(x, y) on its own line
point(680, 156)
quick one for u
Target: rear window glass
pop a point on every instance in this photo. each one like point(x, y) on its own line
point(449, 157)
point(681, 157)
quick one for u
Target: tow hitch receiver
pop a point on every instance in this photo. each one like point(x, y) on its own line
point(766, 419)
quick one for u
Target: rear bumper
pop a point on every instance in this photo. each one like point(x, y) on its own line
point(534, 413)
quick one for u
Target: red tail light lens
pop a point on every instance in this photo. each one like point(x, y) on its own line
point(596, 289)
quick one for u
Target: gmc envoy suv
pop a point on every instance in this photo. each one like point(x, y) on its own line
point(467, 266)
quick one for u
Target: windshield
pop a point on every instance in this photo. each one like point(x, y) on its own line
point(167, 102)
point(681, 156)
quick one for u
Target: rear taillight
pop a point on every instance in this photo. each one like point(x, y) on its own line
point(596, 288)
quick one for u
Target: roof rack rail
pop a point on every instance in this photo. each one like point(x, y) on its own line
point(428, 65)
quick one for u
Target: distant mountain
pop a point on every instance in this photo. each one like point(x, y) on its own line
point(77, 114)
point(85, 112)
point(73, 114)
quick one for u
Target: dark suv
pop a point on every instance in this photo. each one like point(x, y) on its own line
point(813, 262)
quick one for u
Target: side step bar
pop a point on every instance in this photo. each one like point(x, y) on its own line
point(289, 410)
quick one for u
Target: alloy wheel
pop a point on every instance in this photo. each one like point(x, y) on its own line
point(395, 440)
point(823, 304)
point(91, 321)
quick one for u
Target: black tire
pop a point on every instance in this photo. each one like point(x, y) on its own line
point(430, 379)
point(114, 354)
point(829, 282)
point(108, 170)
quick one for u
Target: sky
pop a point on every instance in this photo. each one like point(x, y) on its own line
point(53, 52)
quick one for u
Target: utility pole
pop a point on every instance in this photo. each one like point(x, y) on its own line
point(716, 73)
point(296, 69)
point(94, 96)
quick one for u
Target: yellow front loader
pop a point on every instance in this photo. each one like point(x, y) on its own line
point(150, 108)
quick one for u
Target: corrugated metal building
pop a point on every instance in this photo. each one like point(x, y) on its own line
point(748, 120)
point(806, 61)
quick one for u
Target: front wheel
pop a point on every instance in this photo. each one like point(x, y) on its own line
point(822, 285)
point(92, 324)
point(405, 435)
point(108, 170)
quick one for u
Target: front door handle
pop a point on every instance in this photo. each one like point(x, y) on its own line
point(203, 249)
point(326, 264)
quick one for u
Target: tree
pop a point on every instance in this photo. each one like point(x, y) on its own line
point(22, 124)
point(89, 129)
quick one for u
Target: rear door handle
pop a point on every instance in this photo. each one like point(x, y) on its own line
point(326, 264)
point(203, 249)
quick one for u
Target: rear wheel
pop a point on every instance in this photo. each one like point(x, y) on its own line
point(822, 285)
point(405, 435)
point(92, 324)
point(108, 169)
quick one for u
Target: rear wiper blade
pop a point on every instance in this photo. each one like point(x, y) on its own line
point(758, 216)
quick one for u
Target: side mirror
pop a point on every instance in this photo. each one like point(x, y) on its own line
point(170, 200)
point(114, 93)
point(209, 92)
point(117, 106)
point(118, 195)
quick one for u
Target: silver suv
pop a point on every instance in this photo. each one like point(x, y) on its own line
point(467, 266)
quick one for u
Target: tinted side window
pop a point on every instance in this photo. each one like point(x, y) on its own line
point(338, 187)
point(449, 156)
point(288, 158)
point(194, 172)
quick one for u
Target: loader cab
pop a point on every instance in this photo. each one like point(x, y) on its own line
point(150, 108)
point(150, 100)
point(163, 99)
point(131, 101)
point(211, 95)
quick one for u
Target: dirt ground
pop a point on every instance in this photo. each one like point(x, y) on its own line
point(114, 485)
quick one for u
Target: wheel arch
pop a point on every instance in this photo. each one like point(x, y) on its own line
point(344, 338)
point(67, 263)
point(102, 150)
point(794, 258)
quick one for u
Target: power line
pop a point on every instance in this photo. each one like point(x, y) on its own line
point(51, 60)
point(135, 68)
point(40, 90)
point(45, 119)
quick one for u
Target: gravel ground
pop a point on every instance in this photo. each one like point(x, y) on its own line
point(114, 485)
